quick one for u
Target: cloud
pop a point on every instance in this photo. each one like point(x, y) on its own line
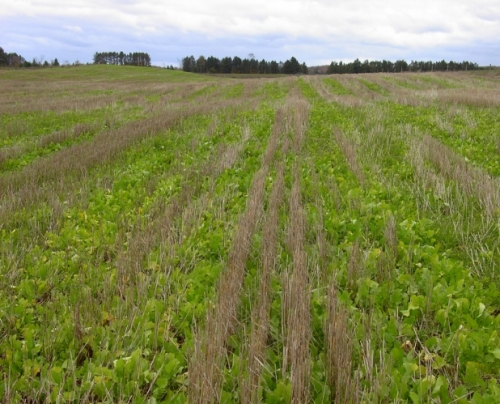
point(73, 28)
point(312, 30)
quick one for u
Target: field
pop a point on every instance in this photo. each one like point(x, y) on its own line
point(170, 237)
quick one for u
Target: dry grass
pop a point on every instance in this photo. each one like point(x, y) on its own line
point(321, 241)
point(21, 97)
point(17, 150)
point(345, 100)
point(478, 97)
point(159, 228)
point(455, 202)
point(453, 111)
point(339, 350)
point(60, 172)
point(261, 312)
point(358, 89)
point(391, 238)
point(349, 150)
point(300, 119)
point(207, 361)
point(471, 180)
point(297, 302)
point(387, 260)
point(73, 133)
point(354, 266)
point(378, 79)
point(444, 125)
point(208, 358)
point(156, 230)
point(11, 152)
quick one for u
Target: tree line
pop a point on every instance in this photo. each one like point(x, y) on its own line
point(251, 65)
point(121, 58)
point(236, 65)
point(386, 66)
point(13, 59)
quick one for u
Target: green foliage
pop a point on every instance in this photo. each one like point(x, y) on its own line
point(335, 87)
point(374, 87)
point(106, 286)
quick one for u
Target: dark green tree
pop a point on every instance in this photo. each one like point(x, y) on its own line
point(226, 65)
point(236, 68)
point(3, 57)
point(291, 66)
point(356, 66)
point(188, 64)
point(212, 63)
point(263, 67)
point(201, 64)
point(274, 67)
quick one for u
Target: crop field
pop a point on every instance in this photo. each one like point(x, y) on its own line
point(168, 237)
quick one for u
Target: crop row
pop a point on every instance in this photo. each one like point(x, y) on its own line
point(85, 290)
point(298, 240)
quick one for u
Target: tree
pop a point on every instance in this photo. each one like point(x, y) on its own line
point(253, 65)
point(236, 68)
point(365, 68)
point(213, 63)
point(357, 66)
point(333, 68)
point(274, 67)
point(119, 58)
point(55, 62)
point(3, 57)
point(188, 64)
point(287, 68)
point(294, 66)
point(263, 67)
point(400, 66)
point(291, 66)
point(200, 64)
point(226, 65)
point(245, 66)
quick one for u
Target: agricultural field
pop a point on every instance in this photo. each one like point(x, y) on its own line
point(168, 237)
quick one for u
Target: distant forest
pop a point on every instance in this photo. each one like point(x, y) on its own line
point(251, 65)
point(112, 58)
point(387, 66)
point(15, 60)
point(120, 58)
point(248, 65)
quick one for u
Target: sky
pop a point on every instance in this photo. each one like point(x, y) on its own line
point(315, 32)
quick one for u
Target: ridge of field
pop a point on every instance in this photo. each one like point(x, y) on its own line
point(105, 73)
point(172, 237)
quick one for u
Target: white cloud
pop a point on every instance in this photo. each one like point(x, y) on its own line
point(414, 26)
point(73, 28)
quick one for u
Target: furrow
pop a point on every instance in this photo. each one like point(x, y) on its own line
point(299, 307)
point(261, 312)
point(206, 364)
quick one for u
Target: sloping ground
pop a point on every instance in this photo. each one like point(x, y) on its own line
point(167, 237)
point(99, 73)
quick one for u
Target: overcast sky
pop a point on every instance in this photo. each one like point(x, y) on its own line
point(315, 32)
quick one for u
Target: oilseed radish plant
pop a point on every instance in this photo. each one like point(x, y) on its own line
point(170, 237)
